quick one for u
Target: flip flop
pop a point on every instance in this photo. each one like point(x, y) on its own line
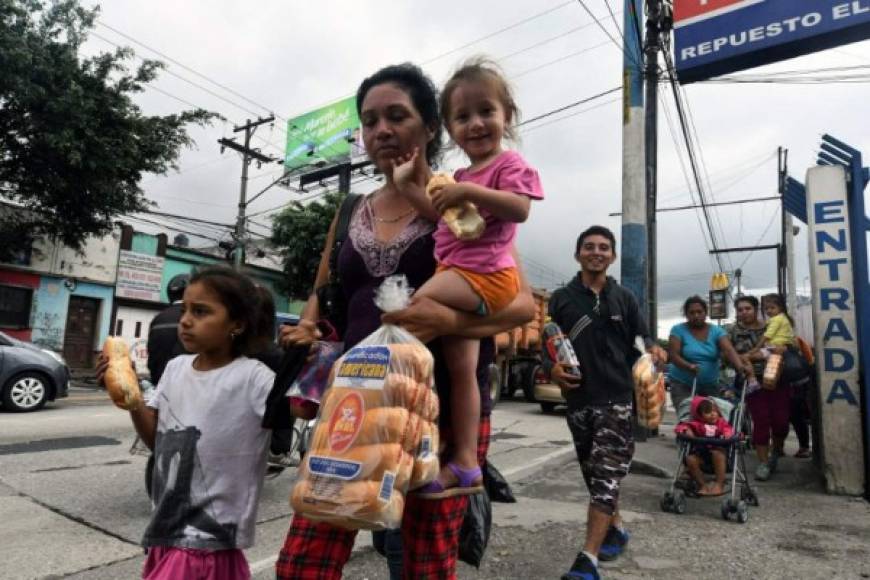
point(465, 485)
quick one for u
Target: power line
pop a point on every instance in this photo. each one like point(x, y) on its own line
point(761, 237)
point(560, 59)
point(189, 69)
point(691, 154)
point(570, 106)
point(497, 32)
point(564, 117)
point(546, 41)
point(631, 57)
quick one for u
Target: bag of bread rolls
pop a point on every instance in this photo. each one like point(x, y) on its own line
point(772, 371)
point(649, 391)
point(371, 426)
point(120, 379)
point(463, 220)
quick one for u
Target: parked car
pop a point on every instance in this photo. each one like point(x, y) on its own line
point(30, 375)
point(547, 393)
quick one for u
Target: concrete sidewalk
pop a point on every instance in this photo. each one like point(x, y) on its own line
point(798, 531)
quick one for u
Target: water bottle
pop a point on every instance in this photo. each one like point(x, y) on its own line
point(558, 348)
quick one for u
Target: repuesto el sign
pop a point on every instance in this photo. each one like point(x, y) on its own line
point(715, 37)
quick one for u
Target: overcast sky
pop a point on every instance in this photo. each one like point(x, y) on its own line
point(291, 57)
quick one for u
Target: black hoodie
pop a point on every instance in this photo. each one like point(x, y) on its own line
point(604, 342)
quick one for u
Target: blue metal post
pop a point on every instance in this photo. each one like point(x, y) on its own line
point(635, 241)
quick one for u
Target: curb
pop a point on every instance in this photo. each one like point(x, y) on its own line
point(641, 467)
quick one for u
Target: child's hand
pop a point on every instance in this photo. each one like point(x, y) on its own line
point(448, 196)
point(410, 170)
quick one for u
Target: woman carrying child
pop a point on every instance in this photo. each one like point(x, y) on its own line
point(398, 109)
point(480, 275)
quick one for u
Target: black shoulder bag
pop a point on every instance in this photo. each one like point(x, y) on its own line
point(330, 296)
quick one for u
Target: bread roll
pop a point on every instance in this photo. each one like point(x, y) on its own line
point(413, 360)
point(463, 220)
point(120, 378)
point(351, 505)
point(426, 464)
point(357, 463)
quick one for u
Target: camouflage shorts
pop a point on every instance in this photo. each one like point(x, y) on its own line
point(605, 445)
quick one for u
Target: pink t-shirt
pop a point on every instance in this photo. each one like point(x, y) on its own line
point(492, 250)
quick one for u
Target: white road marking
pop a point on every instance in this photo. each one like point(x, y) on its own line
point(263, 564)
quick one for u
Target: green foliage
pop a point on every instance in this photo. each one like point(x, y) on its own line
point(301, 231)
point(73, 144)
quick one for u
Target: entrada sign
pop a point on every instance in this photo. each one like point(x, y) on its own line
point(836, 328)
point(715, 37)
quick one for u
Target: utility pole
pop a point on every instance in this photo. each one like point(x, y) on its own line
point(658, 20)
point(248, 155)
point(635, 248)
point(788, 261)
point(784, 260)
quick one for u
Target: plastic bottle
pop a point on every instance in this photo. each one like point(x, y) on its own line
point(557, 348)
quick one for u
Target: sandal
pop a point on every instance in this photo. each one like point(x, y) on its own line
point(464, 486)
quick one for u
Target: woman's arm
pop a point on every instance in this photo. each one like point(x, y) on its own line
point(732, 357)
point(306, 331)
point(675, 348)
point(427, 319)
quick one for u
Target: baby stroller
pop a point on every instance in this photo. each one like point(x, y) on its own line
point(740, 495)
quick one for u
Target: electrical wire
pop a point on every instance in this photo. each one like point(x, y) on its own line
point(761, 237)
point(631, 57)
point(569, 106)
point(693, 162)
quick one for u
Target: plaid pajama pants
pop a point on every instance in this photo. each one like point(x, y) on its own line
point(430, 536)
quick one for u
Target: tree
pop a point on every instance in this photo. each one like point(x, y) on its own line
point(73, 144)
point(301, 231)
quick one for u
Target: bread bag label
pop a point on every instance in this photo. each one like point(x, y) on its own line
point(387, 483)
point(425, 447)
point(346, 421)
point(334, 468)
point(363, 367)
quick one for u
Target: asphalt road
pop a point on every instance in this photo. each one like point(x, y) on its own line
point(73, 502)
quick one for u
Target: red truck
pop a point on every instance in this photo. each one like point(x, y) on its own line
point(517, 365)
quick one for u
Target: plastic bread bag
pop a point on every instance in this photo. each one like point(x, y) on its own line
point(649, 391)
point(370, 426)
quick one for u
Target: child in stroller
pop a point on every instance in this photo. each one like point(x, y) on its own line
point(708, 423)
point(722, 445)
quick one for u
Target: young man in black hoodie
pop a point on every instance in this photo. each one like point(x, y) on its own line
point(602, 320)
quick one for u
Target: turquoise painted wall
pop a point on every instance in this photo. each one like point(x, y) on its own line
point(182, 262)
point(144, 244)
point(51, 301)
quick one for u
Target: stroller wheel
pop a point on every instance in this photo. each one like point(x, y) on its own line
point(749, 497)
point(667, 502)
point(727, 508)
point(742, 512)
point(679, 505)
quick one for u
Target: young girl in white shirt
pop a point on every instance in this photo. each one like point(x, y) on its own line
point(204, 425)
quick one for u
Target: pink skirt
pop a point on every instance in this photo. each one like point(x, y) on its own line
point(167, 563)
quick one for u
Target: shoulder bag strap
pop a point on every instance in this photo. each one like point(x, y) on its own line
point(345, 212)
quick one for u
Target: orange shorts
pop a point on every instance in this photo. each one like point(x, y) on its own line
point(496, 289)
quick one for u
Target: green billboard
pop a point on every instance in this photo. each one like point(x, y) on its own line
point(327, 135)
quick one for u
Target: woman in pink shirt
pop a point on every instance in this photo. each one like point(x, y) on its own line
point(478, 275)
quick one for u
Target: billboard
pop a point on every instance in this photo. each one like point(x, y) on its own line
point(716, 37)
point(328, 135)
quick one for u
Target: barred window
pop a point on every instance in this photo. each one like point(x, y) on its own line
point(15, 302)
